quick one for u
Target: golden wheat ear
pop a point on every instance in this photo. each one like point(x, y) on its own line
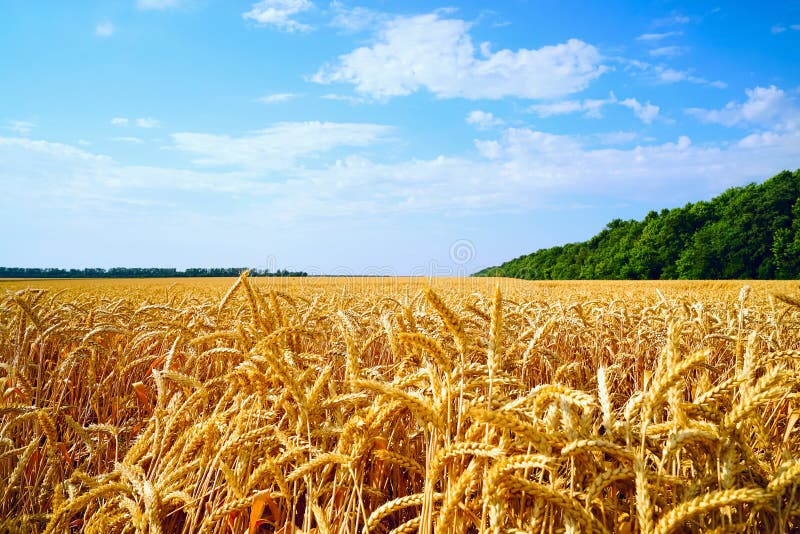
point(332, 406)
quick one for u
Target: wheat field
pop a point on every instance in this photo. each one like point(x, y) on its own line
point(326, 405)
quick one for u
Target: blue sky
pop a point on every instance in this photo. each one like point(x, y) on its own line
point(376, 137)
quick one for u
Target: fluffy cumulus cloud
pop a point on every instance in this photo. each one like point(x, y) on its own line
point(483, 120)
point(280, 14)
point(645, 112)
point(436, 53)
point(766, 106)
point(278, 147)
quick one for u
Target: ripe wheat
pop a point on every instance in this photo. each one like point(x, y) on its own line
point(391, 405)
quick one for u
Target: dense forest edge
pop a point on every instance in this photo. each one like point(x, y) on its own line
point(138, 272)
point(750, 232)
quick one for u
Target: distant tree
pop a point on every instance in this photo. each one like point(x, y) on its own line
point(133, 272)
point(746, 232)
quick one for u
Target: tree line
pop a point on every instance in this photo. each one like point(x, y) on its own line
point(750, 232)
point(138, 272)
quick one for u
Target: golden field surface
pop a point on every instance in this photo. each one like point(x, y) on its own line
point(347, 405)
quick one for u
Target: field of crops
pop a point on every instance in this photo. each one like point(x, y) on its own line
point(399, 405)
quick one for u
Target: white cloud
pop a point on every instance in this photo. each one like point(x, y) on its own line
point(521, 169)
point(527, 160)
point(157, 4)
point(672, 20)
point(489, 149)
point(141, 122)
point(616, 138)
point(648, 37)
point(483, 120)
point(672, 75)
point(279, 146)
point(20, 127)
point(354, 19)
point(129, 139)
point(645, 112)
point(104, 29)
point(524, 143)
point(524, 166)
point(350, 99)
point(760, 140)
point(147, 122)
point(768, 106)
point(84, 142)
point(74, 181)
point(562, 107)
point(36, 169)
point(280, 13)
point(668, 51)
point(591, 108)
point(780, 28)
point(46, 148)
point(275, 98)
point(437, 54)
point(668, 75)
